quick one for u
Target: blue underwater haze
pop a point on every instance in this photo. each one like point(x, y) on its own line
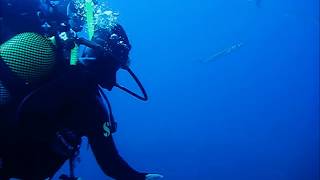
point(233, 86)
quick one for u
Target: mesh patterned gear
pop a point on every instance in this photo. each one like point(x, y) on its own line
point(30, 57)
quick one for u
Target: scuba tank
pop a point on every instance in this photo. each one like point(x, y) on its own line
point(27, 60)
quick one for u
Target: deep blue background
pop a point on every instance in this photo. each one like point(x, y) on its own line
point(250, 115)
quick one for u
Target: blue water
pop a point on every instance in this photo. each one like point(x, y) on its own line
point(252, 114)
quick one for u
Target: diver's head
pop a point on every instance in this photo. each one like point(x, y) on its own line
point(115, 42)
point(115, 55)
point(111, 55)
point(54, 9)
point(53, 16)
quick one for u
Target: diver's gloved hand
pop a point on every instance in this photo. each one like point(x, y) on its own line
point(153, 176)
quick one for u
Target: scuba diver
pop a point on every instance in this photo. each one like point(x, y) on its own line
point(47, 106)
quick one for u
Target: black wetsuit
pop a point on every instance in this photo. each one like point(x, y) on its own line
point(69, 107)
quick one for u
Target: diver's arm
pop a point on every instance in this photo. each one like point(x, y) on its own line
point(110, 161)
